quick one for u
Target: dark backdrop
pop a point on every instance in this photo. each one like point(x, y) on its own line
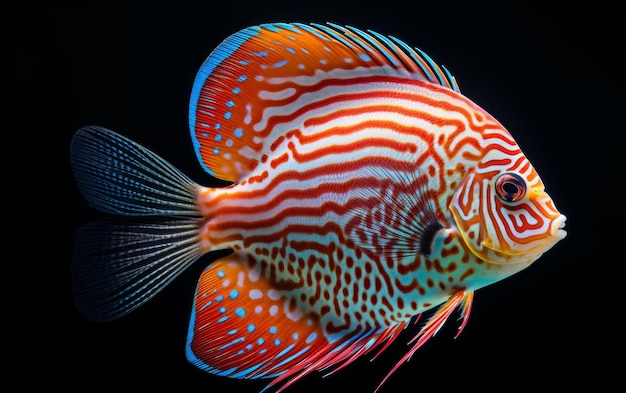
point(548, 75)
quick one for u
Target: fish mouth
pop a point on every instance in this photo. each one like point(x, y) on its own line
point(512, 255)
point(557, 226)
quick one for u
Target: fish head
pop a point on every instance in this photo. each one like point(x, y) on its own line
point(503, 212)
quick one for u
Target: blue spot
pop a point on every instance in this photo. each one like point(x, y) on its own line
point(243, 77)
point(291, 50)
point(273, 330)
point(262, 351)
point(238, 340)
point(260, 341)
point(216, 150)
point(305, 50)
point(219, 298)
point(292, 357)
point(365, 57)
point(259, 54)
point(251, 328)
point(249, 347)
point(227, 115)
point(280, 64)
point(233, 294)
point(371, 342)
point(311, 338)
point(218, 126)
point(222, 319)
point(230, 103)
point(271, 27)
point(232, 332)
point(222, 310)
point(295, 336)
point(238, 132)
point(236, 90)
point(226, 373)
point(313, 31)
point(220, 273)
point(229, 143)
point(290, 27)
point(246, 373)
point(204, 134)
point(218, 137)
point(240, 312)
point(276, 342)
point(284, 351)
point(244, 62)
point(207, 125)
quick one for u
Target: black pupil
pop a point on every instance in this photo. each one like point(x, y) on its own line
point(510, 188)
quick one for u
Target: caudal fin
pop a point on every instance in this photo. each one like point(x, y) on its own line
point(119, 176)
point(118, 265)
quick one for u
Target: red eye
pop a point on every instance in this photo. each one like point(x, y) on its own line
point(510, 187)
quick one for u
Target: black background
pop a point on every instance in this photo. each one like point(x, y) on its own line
point(549, 75)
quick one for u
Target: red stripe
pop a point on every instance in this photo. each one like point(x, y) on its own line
point(336, 169)
point(380, 93)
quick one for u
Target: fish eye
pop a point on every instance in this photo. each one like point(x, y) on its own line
point(510, 187)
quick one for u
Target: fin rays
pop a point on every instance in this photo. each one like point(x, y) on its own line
point(121, 177)
point(119, 265)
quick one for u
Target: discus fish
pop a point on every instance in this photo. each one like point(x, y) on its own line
point(362, 191)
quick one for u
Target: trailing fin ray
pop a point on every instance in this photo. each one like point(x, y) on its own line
point(460, 300)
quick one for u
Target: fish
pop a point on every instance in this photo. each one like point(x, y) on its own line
point(359, 193)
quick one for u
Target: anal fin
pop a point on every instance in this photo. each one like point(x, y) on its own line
point(242, 328)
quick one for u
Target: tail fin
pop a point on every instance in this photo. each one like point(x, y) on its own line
point(118, 176)
point(119, 265)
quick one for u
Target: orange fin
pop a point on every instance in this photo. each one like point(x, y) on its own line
point(241, 328)
point(260, 76)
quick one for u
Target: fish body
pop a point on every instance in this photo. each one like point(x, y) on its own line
point(365, 190)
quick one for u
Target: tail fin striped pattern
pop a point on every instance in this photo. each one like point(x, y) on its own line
point(120, 263)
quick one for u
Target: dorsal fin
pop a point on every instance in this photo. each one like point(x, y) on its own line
point(244, 78)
